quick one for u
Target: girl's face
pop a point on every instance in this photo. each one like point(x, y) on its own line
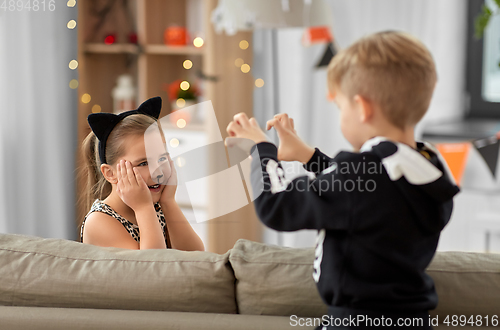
point(149, 155)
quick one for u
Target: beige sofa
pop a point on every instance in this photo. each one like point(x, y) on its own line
point(59, 284)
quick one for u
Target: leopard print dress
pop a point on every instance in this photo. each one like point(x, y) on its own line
point(133, 230)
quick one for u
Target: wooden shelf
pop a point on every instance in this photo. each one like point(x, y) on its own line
point(173, 50)
point(99, 48)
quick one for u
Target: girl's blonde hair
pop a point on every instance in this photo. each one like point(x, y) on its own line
point(96, 186)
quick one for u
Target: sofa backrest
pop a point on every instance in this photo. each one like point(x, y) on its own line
point(252, 278)
point(273, 280)
point(467, 283)
point(62, 273)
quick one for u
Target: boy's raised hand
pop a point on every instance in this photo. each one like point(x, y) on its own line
point(291, 147)
point(242, 127)
point(131, 186)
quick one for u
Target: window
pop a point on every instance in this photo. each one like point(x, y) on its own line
point(483, 70)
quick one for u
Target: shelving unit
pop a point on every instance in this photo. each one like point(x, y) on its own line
point(153, 64)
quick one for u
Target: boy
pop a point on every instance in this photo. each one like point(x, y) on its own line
point(379, 210)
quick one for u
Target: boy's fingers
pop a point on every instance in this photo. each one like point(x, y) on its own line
point(233, 128)
point(285, 121)
point(270, 123)
point(242, 119)
point(292, 123)
point(254, 122)
point(278, 126)
point(228, 142)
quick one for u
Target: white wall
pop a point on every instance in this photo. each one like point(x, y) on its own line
point(38, 122)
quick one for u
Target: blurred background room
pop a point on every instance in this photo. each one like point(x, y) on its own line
point(67, 59)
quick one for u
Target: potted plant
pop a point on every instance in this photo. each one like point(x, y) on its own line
point(181, 94)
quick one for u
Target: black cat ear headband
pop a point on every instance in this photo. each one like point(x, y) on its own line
point(103, 123)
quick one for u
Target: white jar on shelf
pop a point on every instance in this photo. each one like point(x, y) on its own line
point(124, 94)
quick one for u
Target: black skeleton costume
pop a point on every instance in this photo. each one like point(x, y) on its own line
point(379, 214)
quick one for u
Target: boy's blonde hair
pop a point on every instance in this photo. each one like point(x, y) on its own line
point(392, 69)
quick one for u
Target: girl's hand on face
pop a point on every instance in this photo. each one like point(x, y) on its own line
point(131, 187)
point(291, 147)
point(168, 193)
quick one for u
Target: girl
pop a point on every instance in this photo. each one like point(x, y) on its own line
point(132, 192)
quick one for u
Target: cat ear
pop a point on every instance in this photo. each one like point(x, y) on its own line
point(151, 107)
point(102, 124)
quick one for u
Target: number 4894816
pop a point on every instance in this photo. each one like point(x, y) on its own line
point(473, 320)
point(28, 5)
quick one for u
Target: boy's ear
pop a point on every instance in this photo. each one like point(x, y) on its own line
point(109, 173)
point(329, 96)
point(366, 108)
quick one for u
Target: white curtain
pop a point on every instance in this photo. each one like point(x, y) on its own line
point(37, 122)
point(441, 25)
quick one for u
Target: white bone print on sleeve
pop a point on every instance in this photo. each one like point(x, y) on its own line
point(276, 176)
point(318, 255)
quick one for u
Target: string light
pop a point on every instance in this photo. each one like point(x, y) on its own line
point(180, 102)
point(187, 64)
point(71, 3)
point(174, 143)
point(244, 44)
point(86, 98)
point(73, 84)
point(259, 82)
point(181, 123)
point(181, 161)
point(198, 42)
point(73, 64)
point(96, 108)
point(71, 24)
point(185, 85)
point(239, 62)
point(245, 68)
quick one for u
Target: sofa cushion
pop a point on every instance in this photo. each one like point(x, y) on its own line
point(62, 273)
point(273, 280)
point(467, 283)
point(50, 318)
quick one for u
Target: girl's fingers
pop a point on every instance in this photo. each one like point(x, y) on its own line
point(125, 178)
point(118, 174)
point(172, 179)
point(130, 173)
point(119, 170)
point(138, 178)
point(292, 123)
